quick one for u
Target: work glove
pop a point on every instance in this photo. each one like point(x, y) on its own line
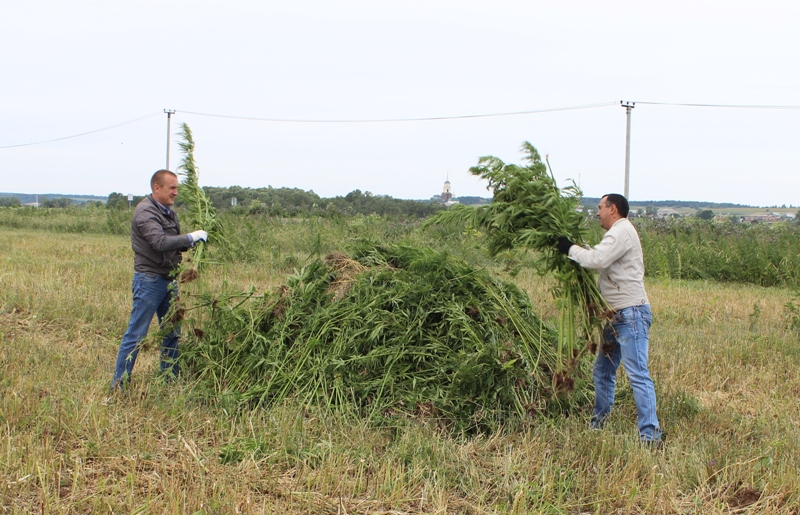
point(564, 245)
point(198, 236)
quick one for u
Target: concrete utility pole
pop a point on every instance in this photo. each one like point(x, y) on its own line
point(169, 112)
point(628, 106)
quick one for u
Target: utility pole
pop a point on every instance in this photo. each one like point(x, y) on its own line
point(169, 112)
point(628, 106)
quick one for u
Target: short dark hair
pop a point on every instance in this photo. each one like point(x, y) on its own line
point(619, 201)
point(158, 178)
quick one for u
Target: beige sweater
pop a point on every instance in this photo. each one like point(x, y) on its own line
point(618, 257)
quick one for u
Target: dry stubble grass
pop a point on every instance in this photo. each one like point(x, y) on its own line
point(726, 374)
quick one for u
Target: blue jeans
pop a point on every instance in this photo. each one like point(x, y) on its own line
point(625, 339)
point(152, 295)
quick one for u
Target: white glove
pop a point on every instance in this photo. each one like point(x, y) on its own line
point(198, 236)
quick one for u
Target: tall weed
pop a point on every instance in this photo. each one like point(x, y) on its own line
point(691, 248)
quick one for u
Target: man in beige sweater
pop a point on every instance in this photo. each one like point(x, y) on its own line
point(618, 258)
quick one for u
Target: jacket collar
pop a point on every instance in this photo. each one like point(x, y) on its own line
point(164, 209)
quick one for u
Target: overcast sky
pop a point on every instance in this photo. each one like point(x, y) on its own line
point(74, 67)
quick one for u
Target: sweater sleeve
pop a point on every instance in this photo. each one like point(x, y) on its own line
point(613, 246)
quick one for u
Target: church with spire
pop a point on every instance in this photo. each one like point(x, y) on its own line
point(447, 191)
point(446, 197)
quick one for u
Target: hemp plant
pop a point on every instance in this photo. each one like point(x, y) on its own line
point(200, 213)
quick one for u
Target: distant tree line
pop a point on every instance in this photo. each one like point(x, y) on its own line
point(120, 201)
point(58, 202)
point(474, 200)
point(288, 202)
point(7, 199)
point(593, 201)
point(294, 202)
point(285, 202)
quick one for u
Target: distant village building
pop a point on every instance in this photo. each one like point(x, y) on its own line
point(665, 212)
point(769, 217)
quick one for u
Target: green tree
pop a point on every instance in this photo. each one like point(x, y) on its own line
point(10, 202)
point(120, 201)
point(57, 203)
point(705, 214)
point(117, 201)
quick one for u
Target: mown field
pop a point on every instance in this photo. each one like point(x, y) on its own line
point(725, 354)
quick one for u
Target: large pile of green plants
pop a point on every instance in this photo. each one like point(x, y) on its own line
point(385, 331)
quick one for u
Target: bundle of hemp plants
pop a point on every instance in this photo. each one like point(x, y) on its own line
point(529, 211)
point(200, 213)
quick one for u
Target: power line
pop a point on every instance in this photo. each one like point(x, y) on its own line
point(391, 120)
point(83, 133)
point(734, 106)
point(396, 120)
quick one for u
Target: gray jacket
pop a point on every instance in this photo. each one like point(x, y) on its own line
point(156, 239)
point(619, 259)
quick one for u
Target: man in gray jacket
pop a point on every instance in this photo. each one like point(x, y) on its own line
point(157, 244)
point(618, 257)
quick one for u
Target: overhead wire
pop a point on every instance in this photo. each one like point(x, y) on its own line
point(83, 133)
point(394, 120)
point(398, 120)
point(734, 106)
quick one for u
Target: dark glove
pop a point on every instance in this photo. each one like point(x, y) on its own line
point(564, 245)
